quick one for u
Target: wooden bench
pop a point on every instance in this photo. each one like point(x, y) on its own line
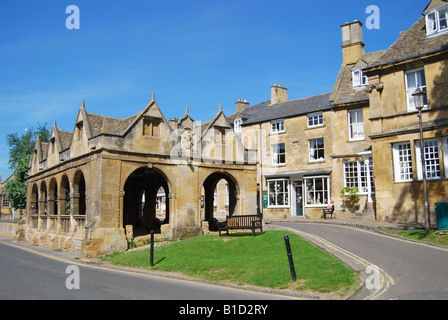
point(326, 212)
point(248, 222)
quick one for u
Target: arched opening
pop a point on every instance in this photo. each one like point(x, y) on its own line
point(219, 187)
point(79, 188)
point(64, 204)
point(53, 198)
point(34, 201)
point(145, 190)
point(43, 199)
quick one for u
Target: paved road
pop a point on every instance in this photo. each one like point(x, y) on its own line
point(31, 276)
point(407, 270)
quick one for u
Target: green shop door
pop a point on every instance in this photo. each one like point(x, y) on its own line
point(298, 188)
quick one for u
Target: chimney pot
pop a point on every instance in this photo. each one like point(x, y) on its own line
point(241, 105)
point(279, 94)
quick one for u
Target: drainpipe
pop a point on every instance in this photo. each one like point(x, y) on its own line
point(261, 169)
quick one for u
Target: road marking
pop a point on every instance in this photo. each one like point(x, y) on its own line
point(385, 280)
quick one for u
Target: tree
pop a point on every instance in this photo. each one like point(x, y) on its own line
point(351, 198)
point(20, 151)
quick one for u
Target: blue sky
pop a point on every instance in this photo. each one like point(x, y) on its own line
point(198, 53)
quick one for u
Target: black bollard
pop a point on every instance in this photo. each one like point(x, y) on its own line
point(291, 262)
point(152, 249)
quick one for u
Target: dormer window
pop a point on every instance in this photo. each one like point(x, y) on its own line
point(79, 129)
point(151, 127)
point(437, 21)
point(52, 144)
point(237, 126)
point(359, 79)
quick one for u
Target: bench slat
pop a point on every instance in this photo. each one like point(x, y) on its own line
point(251, 222)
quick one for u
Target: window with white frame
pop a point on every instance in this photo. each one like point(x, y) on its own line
point(315, 119)
point(278, 193)
point(445, 155)
point(356, 175)
point(437, 21)
point(278, 126)
point(403, 162)
point(278, 154)
point(360, 80)
point(237, 126)
point(316, 150)
point(415, 79)
point(317, 191)
point(356, 125)
point(432, 161)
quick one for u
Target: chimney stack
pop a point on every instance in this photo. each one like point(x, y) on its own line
point(279, 94)
point(352, 42)
point(241, 105)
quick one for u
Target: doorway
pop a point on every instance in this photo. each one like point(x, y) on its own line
point(146, 193)
point(297, 207)
point(230, 191)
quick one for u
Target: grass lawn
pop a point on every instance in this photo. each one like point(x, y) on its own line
point(244, 259)
point(432, 237)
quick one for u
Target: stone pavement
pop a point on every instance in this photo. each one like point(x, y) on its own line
point(358, 223)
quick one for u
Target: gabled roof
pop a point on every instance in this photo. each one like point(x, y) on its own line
point(412, 44)
point(434, 4)
point(343, 92)
point(110, 126)
point(266, 112)
point(219, 120)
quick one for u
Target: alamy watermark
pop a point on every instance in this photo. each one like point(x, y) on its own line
point(373, 21)
point(73, 280)
point(373, 279)
point(73, 21)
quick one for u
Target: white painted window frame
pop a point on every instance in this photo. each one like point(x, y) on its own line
point(312, 147)
point(276, 154)
point(360, 80)
point(278, 126)
point(419, 161)
point(307, 192)
point(411, 90)
point(437, 21)
point(315, 120)
point(356, 125)
point(286, 194)
point(403, 168)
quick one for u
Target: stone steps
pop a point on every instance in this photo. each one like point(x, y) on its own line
point(366, 214)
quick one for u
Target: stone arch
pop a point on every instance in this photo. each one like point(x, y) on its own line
point(209, 186)
point(43, 198)
point(34, 199)
point(53, 197)
point(140, 200)
point(79, 194)
point(64, 205)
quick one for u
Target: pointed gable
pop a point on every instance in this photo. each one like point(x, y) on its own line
point(186, 122)
point(82, 124)
point(434, 4)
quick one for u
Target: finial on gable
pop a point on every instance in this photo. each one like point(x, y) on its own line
point(153, 97)
point(220, 107)
point(186, 110)
point(83, 105)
